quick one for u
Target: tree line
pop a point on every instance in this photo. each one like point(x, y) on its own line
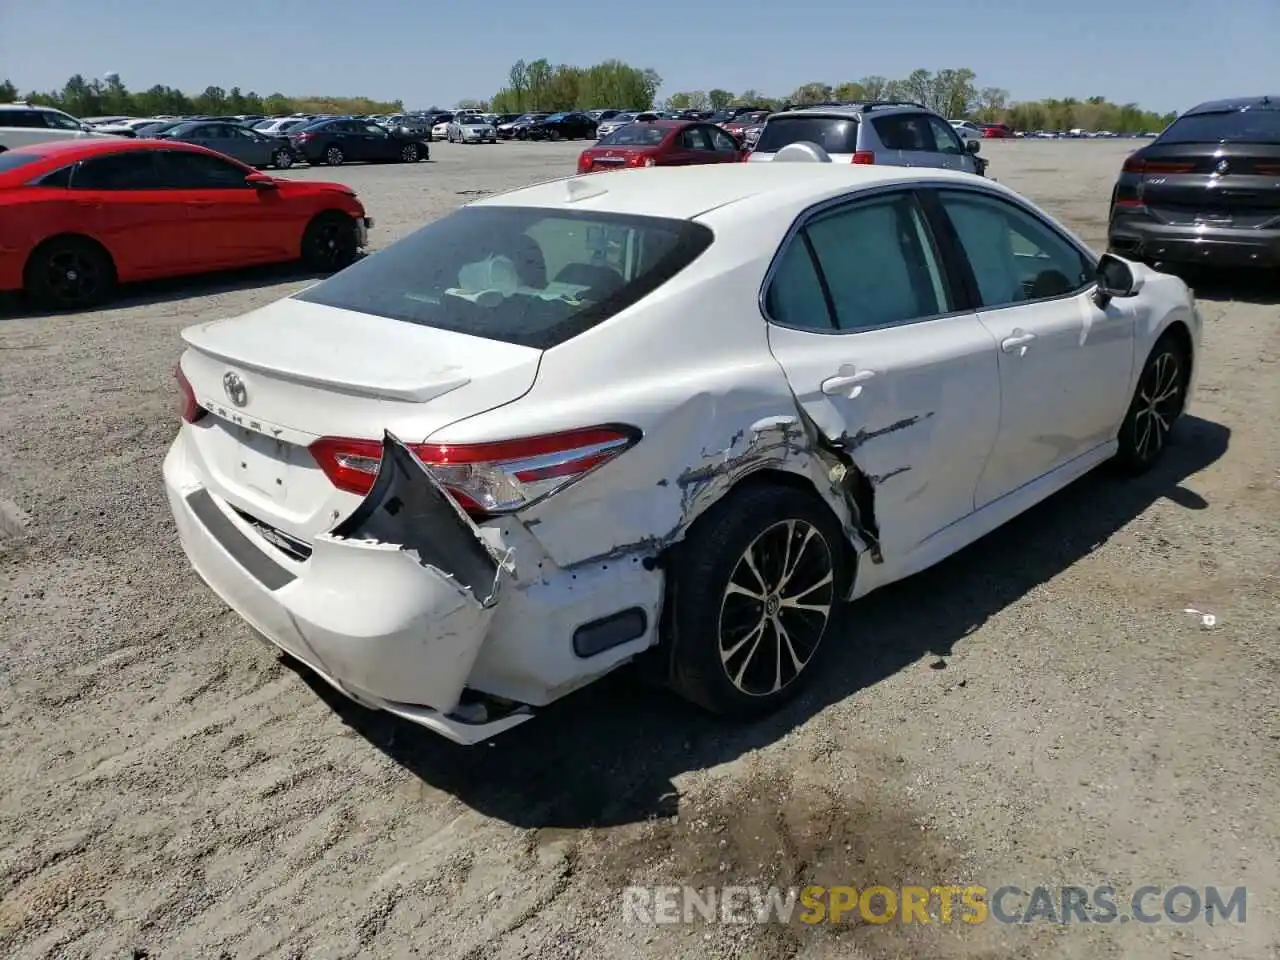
point(952, 92)
point(110, 98)
point(539, 85)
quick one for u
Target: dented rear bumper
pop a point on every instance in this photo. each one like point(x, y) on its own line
point(392, 606)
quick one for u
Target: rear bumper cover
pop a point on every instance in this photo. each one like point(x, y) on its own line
point(1140, 237)
point(378, 612)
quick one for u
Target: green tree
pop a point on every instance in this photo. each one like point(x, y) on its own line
point(8, 92)
point(718, 99)
point(850, 91)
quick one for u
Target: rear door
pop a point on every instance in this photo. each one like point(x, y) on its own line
point(230, 222)
point(121, 197)
point(885, 357)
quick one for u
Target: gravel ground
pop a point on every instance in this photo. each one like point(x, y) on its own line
point(1039, 710)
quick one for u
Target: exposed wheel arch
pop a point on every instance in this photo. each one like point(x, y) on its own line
point(74, 237)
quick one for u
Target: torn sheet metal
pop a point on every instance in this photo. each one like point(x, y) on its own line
point(399, 596)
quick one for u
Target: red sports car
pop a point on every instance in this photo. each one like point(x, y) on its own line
point(661, 143)
point(79, 216)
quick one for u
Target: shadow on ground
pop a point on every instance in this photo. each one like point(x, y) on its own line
point(1225, 286)
point(606, 756)
point(175, 289)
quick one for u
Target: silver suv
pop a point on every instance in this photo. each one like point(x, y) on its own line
point(892, 132)
point(21, 124)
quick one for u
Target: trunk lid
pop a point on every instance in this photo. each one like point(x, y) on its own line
point(1236, 184)
point(276, 379)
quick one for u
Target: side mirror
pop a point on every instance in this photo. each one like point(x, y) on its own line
point(973, 146)
point(1115, 278)
point(260, 181)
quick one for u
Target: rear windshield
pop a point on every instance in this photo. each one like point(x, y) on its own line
point(1236, 126)
point(832, 134)
point(532, 276)
point(10, 160)
point(635, 134)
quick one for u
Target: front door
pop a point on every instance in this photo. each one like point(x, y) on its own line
point(231, 222)
point(1065, 363)
point(863, 323)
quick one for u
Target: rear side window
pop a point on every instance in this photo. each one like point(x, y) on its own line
point(134, 170)
point(832, 134)
point(532, 276)
point(1236, 126)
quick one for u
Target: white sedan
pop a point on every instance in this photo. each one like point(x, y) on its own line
point(675, 412)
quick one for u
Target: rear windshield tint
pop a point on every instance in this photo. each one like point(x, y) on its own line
point(832, 134)
point(1237, 126)
point(525, 275)
point(10, 160)
point(634, 135)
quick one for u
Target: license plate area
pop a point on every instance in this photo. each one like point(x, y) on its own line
point(257, 463)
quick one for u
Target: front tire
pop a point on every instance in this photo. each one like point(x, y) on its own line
point(754, 589)
point(1158, 401)
point(334, 156)
point(329, 242)
point(409, 154)
point(69, 274)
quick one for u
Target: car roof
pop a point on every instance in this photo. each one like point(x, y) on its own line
point(69, 151)
point(1235, 103)
point(852, 109)
point(688, 192)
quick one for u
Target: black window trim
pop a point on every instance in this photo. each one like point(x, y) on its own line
point(944, 226)
point(953, 281)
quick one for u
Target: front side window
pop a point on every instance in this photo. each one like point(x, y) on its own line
point(55, 120)
point(944, 137)
point(188, 170)
point(525, 275)
point(634, 135)
point(694, 138)
point(1014, 255)
point(721, 141)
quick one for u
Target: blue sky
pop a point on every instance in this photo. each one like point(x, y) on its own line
point(1164, 54)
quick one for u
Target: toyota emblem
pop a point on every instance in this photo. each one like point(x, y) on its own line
point(1223, 166)
point(235, 389)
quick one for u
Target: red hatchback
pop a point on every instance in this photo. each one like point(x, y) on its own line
point(76, 217)
point(661, 143)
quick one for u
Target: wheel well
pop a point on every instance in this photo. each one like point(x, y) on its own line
point(78, 238)
point(768, 476)
point(1178, 331)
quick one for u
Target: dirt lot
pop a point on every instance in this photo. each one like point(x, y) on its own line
point(1039, 710)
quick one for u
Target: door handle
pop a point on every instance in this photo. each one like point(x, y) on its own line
point(841, 384)
point(1017, 343)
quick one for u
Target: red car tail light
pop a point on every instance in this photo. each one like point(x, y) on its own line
point(485, 478)
point(1137, 164)
point(640, 159)
point(304, 137)
point(864, 156)
point(189, 409)
point(584, 164)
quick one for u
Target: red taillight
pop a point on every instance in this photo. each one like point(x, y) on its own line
point(584, 164)
point(1137, 164)
point(1130, 204)
point(190, 409)
point(485, 478)
point(864, 156)
point(304, 137)
point(638, 158)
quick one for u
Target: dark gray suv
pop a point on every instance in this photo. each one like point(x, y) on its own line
point(1207, 190)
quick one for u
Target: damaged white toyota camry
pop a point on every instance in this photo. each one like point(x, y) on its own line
point(682, 412)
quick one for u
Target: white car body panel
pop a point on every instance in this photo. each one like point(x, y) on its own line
point(947, 431)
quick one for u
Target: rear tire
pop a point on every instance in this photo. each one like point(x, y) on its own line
point(740, 644)
point(1158, 402)
point(329, 242)
point(283, 159)
point(72, 273)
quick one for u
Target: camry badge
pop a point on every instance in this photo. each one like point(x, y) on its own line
point(235, 389)
point(1222, 166)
